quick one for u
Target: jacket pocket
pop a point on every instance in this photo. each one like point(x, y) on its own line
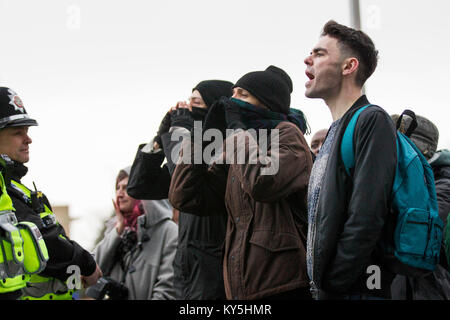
point(273, 260)
point(141, 278)
point(418, 238)
point(275, 242)
point(412, 237)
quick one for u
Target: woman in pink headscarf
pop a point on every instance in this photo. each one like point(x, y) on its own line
point(137, 252)
point(127, 208)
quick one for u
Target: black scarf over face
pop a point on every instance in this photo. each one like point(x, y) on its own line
point(199, 114)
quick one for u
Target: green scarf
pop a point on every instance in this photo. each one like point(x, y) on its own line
point(260, 118)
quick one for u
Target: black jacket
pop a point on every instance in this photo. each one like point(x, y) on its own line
point(149, 180)
point(62, 251)
point(351, 230)
point(198, 261)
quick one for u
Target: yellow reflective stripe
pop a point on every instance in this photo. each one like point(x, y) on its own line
point(33, 252)
point(11, 235)
point(35, 278)
point(13, 284)
point(24, 189)
point(36, 236)
point(6, 202)
point(27, 193)
point(6, 247)
point(47, 210)
point(6, 251)
point(36, 255)
point(5, 199)
point(2, 255)
point(46, 213)
point(52, 296)
point(18, 242)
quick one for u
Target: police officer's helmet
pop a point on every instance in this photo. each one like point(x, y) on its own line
point(12, 111)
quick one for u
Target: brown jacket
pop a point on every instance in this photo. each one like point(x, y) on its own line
point(264, 250)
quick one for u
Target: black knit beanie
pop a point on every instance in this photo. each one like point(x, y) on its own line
point(212, 90)
point(271, 87)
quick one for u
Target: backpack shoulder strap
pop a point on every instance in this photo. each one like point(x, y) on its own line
point(413, 124)
point(347, 152)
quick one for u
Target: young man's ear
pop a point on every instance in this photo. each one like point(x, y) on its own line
point(350, 66)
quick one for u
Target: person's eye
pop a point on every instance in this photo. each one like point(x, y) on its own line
point(318, 53)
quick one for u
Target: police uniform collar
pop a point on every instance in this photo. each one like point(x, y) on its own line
point(16, 170)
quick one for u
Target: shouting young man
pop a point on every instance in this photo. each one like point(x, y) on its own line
point(348, 213)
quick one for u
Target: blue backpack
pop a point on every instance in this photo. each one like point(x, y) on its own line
point(418, 230)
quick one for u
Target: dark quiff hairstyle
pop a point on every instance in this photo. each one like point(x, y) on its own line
point(357, 44)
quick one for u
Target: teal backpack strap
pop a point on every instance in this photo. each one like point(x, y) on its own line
point(347, 152)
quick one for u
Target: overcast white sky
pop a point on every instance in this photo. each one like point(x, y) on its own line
point(99, 75)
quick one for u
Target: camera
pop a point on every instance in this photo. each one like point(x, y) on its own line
point(107, 288)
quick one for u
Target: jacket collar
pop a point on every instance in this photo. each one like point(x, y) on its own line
point(345, 119)
point(361, 102)
point(16, 170)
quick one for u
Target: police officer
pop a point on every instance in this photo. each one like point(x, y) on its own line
point(23, 251)
point(65, 255)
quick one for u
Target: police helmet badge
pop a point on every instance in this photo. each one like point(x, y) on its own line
point(15, 101)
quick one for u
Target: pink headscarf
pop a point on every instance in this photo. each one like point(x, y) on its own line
point(130, 218)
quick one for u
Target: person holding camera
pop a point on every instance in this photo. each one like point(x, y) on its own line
point(137, 254)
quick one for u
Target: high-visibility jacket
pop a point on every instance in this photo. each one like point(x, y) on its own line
point(23, 250)
point(42, 287)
